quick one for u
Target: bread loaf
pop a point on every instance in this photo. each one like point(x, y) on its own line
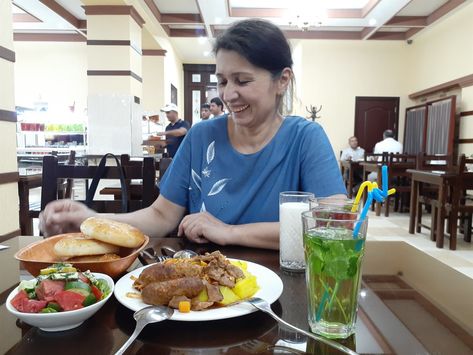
point(112, 232)
point(69, 247)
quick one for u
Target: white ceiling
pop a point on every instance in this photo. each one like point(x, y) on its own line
point(359, 19)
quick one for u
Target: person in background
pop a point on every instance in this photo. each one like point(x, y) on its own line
point(224, 182)
point(354, 152)
point(205, 112)
point(175, 130)
point(216, 107)
point(389, 145)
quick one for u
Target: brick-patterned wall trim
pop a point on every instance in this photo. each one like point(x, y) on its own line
point(7, 116)
point(114, 10)
point(7, 54)
point(114, 73)
point(155, 52)
point(8, 178)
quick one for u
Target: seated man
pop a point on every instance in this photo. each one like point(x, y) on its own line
point(389, 145)
point(354, 153)
point(175, 130)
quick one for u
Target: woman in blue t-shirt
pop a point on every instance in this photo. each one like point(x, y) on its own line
point(224, 183)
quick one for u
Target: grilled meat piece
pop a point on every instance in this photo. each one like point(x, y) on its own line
point(160, 293)
point(234, 271)
point(197, 305)
point(218, 273)
point(167, 271)
point(213, 292)
point(174, 302)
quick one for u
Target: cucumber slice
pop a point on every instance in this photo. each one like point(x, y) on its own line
point(90, 299)
point(48, 310)
point(55, 306)
point(81, 291)
point(77, 285)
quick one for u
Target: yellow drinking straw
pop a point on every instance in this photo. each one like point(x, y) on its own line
point(370, 185)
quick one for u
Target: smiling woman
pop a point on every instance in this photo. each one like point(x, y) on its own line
point(229, 171)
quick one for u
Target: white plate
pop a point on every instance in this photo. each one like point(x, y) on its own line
point(269, 283)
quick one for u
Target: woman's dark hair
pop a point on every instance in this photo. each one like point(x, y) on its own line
point(260, 42)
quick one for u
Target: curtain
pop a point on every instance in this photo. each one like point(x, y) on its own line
point(438, 127)
point(414, 137)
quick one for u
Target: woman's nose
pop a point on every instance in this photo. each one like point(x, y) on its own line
point(229, 93)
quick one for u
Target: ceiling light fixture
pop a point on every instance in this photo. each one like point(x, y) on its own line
point(304, 14)
point(202, 39)
point(372, 22)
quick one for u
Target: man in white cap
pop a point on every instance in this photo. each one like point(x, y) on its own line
point(175, 130)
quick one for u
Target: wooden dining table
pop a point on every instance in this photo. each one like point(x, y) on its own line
point(379, 329)
point(443, 180)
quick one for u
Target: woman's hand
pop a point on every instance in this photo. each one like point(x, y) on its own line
point(203, 228)
point(63, 216)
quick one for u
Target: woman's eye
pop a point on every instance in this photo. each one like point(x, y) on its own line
point(221, 83)
point(242, 82)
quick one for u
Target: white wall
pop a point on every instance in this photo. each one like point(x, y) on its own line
point(55, 72)
point(333, 73)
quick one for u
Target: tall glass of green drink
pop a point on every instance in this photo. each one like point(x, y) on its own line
point(333, 272)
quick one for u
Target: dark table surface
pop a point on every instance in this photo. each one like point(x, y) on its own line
point(379, 330)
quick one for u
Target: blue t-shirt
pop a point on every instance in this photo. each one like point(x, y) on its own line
point(208, 174)
point(175, 142)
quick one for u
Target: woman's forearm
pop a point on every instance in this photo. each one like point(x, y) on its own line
point(258, 235)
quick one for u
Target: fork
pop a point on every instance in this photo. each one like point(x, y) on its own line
point(264, 306)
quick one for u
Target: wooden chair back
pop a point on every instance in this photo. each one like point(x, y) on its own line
point(144, 170)
point(434, 162)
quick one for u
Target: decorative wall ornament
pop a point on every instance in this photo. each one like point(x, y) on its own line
point(313, 112)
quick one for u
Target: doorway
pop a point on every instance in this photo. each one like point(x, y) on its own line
point(374, 115)
point(200, 86)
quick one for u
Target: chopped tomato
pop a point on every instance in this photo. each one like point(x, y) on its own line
point(97, 293)
point(83, 278)
point(69, 300)
point(25, 305)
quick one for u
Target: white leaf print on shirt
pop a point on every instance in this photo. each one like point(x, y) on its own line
point(210, 152)
point(218, 186)
point(197, 180)
point(203, 209)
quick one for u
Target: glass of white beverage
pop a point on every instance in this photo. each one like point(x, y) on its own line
point(291, 250)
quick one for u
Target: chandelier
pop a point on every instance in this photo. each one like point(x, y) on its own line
point(304, 14)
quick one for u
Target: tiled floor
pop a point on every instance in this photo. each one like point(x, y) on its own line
point(396, 227)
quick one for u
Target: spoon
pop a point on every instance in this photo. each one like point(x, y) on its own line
point(264, 306)
point(180, 254)
point(151, 254)
point(143, 317)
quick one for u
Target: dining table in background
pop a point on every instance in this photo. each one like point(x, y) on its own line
point(380, 329)
point(443, 180)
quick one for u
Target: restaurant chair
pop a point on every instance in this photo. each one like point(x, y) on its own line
point(144, 170)
point(460, 207)
point(427, 194)
point(399, 178)
point(64, 187)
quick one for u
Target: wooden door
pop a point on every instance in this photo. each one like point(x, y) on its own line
point(374, 115)
point(197, 83)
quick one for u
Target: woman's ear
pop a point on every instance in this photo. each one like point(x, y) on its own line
point(284, 80)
